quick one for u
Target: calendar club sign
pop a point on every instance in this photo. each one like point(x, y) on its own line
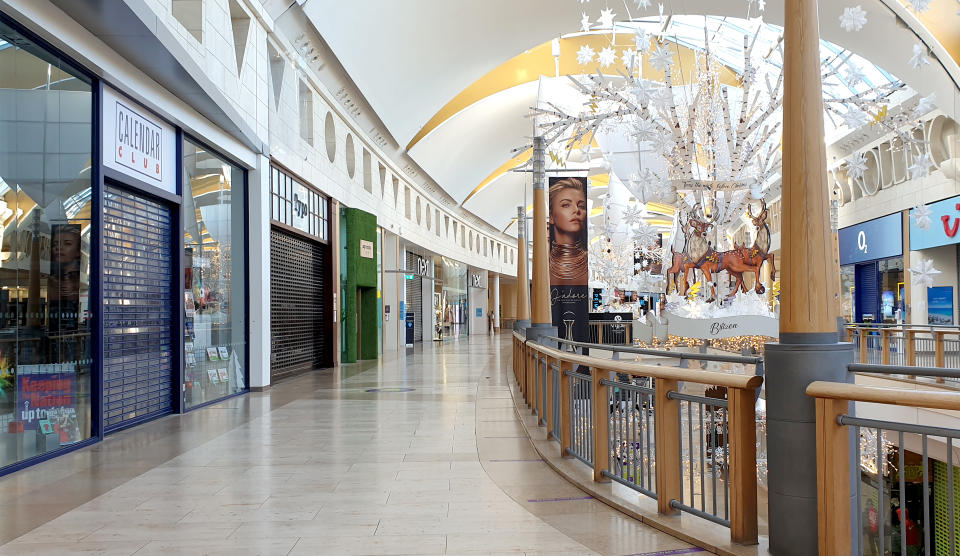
point(137, 143)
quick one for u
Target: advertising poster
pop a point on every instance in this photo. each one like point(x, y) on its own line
point(569, 278)
point(63, 284)
point(48, 392)
point(940, 305)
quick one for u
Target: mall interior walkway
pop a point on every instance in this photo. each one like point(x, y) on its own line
point(418, 453)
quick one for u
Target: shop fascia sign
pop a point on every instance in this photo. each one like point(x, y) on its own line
point(137, 143)
point(880, 238)
point(366, 249)
point(476, 280)
point(301, 207)
point(944, 226)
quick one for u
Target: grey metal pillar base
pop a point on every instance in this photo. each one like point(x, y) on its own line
point(791, 436)
point(536, 331)
point(521, 325)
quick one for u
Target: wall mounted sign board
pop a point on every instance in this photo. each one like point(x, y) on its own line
point(366, 249)
point(137, 143)
point(944, 227)
point(880, 238)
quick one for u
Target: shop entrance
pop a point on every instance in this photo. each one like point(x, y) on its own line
point(299, 316)
point(138, 341)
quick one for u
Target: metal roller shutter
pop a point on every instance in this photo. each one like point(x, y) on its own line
point(138, 320)
point(299, 314)
point(414, 298)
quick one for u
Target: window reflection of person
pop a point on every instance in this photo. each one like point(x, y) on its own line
point(63, 286)
point(568, 226)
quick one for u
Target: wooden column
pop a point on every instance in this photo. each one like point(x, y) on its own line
point(864, 340)
point(833, 479)
point(667, 435)
point(743, 467)
point(940, 354)
point(601, 426)
point(810, 293)
point(541, 250)
point(910, 337)
point(885, 346)
point(523, 284)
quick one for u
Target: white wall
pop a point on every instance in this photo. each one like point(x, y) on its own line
point(391, 287)
point(477, 298)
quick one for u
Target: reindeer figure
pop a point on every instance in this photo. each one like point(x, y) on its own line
point(699, 253)
point(749, 259)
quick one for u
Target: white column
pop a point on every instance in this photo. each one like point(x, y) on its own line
point(496, 301)
point(258, 288)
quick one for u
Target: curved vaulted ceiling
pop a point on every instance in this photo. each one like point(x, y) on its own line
point(453, 80)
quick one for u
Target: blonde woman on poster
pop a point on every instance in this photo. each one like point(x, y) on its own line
point(568, 232)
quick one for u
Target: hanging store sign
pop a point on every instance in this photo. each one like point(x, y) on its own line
point(366, 249)
point(880, 238)
point(137, 143)
point(569, 291)
point(943, 228)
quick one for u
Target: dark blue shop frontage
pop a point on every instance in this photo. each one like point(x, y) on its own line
point(871, 270)
point(122, 260)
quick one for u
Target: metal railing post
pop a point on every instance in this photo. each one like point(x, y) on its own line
point(601, 422)
point(667, 434)
point(743, 466)
point(565, 408)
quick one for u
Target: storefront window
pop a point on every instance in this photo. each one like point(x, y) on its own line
point(214, 287)
point(454, 277)
point(891, 289)
point(847, 281)
point(45, 238)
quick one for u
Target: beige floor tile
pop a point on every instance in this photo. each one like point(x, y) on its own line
point(387, 545)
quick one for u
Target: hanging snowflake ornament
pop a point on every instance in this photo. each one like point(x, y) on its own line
point(584, 22)
point(922, 275)
point(919, 58)
point(856, 165)
point(921, 216)
point(645, 235)
point(585, 55)
point(920, 6)
point(632, 215)
point(606, 18)
point(853, 19)
point(607, 56)
point(759, 4)
point(645, 90)
point(642, 4)
point(854, 118)
point(924, 105)
point(921, 166)
point(645, 130)
point(641, 39)
point(855, 75)
point(661, 58)
point(630, 58)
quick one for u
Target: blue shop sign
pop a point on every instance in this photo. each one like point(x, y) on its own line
point(880, 238)
point(944, 225)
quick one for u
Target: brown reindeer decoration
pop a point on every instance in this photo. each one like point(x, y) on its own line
point(699, 252)
point(747, 259)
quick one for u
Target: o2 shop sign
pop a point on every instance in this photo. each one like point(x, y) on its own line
point(880, 238)
point(136, 143)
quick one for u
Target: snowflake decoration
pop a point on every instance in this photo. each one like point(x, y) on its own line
point(855, 75)
point(856, 166)
point(585, 54)
point(645, 130)
point(632, 215)
point(920, 166)
point(854, 118)
point(760, 4)
point(607, 56)
point(920, 6)
point(661, 58)
point(924, 105)
point(629, 58)
point(641, 39)
point(919, 58)
point(606, 18)
point(645, 90)
point(646, 235)
point(924, 272)
point(643, 4)
point(584, 22)
point(921, 216)
point(853, 19)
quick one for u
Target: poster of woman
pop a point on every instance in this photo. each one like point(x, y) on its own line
point(63, 285)
point(569, 274)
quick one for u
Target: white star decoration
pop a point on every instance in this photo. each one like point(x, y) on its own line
point(853, 19)
point(854, 75)
point(924, 105)
point(919, 58)
point(645, 235)
point(645, 90)
point(643, 4)
point(584, 22)
point(606, 18)
point(920, 6)
point(856, 165)
point(854, 118)
point(921, 217)
point(921, 166)
point(645, 130)
point(642, 40)
point(661, 58)
point(629, 58)
point(632, 215)
point(607, 56)
point(923, 273)
point(585, 54)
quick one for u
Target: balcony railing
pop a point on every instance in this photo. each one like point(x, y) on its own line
point(634, 424)
point(905, 344)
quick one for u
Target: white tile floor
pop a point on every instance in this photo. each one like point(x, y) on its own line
point(444, 468)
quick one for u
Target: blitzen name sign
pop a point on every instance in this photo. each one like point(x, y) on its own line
point(137, 143)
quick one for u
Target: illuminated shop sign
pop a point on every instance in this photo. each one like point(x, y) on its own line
point(881, 238)
point(136, 143)
point(944, 228)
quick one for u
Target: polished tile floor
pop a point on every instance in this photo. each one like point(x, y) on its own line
point(420, 452)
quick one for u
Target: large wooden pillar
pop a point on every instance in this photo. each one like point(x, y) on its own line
point(809, 348)
point(541, 248)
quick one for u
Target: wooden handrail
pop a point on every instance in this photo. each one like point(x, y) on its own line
point(712, 378)
point(934, 399)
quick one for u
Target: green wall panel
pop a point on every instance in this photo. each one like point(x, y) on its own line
point(361, 275)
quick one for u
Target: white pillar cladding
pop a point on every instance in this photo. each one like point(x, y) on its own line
point(477, 283)
point(258, 194)
point(391, 287)
point(495, 284)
